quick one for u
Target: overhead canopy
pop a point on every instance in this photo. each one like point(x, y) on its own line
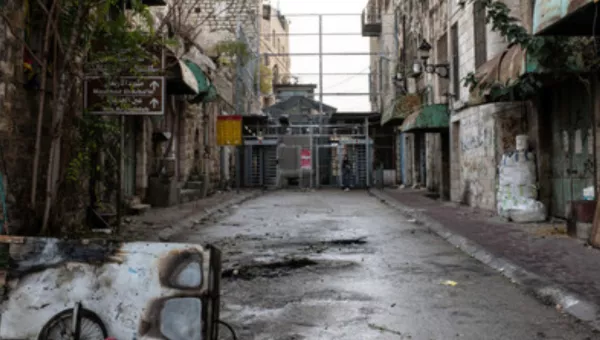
point(190, 79)
point(429, 118)
point(565, 17)
point(504, 69)
point(399, 108)
point(390, 113)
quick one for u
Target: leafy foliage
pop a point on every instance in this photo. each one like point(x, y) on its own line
point(94, 133)
point(266, 79)
point(233, 49)
point(553, 54)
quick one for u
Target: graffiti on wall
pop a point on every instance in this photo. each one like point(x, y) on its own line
point(473, 133)
point(509, 127)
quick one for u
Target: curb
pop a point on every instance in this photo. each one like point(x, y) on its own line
point(548, 292)
point(188, 223)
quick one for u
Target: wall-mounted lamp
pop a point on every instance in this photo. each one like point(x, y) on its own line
point(442, 70)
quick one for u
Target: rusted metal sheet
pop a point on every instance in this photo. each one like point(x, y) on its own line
point(547, 13)
point(504, 69)
point(138, 290)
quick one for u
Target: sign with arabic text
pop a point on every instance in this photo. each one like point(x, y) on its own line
point(143, 96)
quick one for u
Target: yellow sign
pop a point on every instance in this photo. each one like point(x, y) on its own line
point(229, 130)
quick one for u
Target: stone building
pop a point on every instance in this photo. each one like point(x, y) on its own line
point(275, 40)
point(166, 159)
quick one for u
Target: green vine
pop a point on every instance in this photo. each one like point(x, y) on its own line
point(94, 134)
point(233, 49)
point(553, 54)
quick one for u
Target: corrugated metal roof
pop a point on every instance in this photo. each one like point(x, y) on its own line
point(504, 69)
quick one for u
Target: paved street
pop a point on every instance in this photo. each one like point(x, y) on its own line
point(342, 265)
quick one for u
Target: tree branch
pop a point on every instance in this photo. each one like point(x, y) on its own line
point(19, 38)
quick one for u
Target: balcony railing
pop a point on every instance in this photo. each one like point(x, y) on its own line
point(371, 19)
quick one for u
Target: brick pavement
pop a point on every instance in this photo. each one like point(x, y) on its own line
point(565, 261)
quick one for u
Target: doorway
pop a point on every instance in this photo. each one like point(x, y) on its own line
point(572, 144)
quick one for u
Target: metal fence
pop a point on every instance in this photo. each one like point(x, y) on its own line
point(308, 156)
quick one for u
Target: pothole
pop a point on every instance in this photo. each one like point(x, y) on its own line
point(272, 269)
point(347, 242)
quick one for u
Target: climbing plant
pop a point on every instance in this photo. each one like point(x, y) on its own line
point(554, 55)
point(265, 79)
point(232, 49)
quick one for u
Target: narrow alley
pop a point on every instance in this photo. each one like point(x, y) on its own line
point(342, 265)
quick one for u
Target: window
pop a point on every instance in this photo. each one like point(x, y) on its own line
point(455, 61)
point(480, 33)
point(273, 38)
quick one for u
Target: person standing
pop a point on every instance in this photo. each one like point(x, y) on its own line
point(346, 173)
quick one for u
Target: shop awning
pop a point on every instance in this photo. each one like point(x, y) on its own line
point(206, 97)
point(400, 108)
point(390, 113)
point(564, 17)
point(504, 69)
point(429, 118)
point(187, 79)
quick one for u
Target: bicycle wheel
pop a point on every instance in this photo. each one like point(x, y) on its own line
point(59, 327)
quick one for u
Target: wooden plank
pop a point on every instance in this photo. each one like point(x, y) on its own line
point(595, 234)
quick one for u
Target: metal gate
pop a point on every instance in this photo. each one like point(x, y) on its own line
point(572, 145)
point(260, 165)
point(308, 156)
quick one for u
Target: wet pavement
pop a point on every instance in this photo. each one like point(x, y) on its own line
point(342, 265)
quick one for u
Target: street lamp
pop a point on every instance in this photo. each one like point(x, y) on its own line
point(442, 70)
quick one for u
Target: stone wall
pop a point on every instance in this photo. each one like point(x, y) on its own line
point(434, 161)
point(483, 133)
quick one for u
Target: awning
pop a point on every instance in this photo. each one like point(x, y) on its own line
point(210, 95)
point(390, 113)
point(400, 108)
point(429, 118)
point(565, 17)
point(504, 70)
point(186, 78)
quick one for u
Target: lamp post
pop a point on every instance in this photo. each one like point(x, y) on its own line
point(442, 70)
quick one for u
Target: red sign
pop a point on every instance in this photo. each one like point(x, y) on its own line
point(305, 159)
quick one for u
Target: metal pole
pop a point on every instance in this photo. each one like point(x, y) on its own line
point(311, 157)
point(320, 96)
point(368, 151)
point(120, 176)
point(238, 168)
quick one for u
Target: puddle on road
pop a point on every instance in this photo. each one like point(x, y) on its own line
point(272, 269)
point(347, 242)
point(282, 268)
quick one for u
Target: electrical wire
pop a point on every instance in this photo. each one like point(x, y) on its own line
point(345, 80)
point(228, 326)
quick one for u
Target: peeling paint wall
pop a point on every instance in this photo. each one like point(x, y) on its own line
point(485, 132)
point(151, 290)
